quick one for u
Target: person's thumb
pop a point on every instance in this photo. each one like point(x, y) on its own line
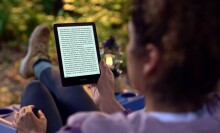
point(103, 66)
point(41, 115)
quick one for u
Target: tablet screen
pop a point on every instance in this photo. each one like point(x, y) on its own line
point(78, 50)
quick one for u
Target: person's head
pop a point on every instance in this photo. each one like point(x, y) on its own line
point(174, 49)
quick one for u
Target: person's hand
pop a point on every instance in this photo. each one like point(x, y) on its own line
point(26, 121)
point(103, 91)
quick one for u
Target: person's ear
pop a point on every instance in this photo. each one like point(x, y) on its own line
point(152, 60)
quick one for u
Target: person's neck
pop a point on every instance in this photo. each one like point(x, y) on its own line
point(153, 106)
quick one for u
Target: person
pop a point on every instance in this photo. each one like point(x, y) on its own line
point(58, 102)
point(173, 59)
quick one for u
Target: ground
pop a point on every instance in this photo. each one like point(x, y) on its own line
point(11, 82)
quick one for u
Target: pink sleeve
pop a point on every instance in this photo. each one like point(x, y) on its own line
point(96, 122)
point(213, 103)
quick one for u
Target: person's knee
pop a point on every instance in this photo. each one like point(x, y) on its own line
point(34, 87)
point(34, 93)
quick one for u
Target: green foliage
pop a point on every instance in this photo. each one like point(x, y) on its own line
point(19, 18)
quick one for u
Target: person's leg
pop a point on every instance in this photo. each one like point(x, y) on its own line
point(36, 94)
point(37, 63)
point(69, 99)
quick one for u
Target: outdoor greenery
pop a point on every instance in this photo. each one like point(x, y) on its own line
point(18, 18)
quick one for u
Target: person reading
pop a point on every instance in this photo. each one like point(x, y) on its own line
point(173, 59)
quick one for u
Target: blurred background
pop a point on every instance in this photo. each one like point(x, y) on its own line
point(18, 18)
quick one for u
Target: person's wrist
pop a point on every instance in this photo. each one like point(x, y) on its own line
point(110, 105)
point(106, 99)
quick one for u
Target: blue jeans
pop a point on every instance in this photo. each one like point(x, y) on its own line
point(55, 101)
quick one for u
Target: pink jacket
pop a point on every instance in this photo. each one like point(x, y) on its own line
point(141, 122)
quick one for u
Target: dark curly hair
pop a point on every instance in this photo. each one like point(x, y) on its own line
point(187, 32)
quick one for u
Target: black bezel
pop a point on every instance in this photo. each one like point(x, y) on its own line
point(79, 80)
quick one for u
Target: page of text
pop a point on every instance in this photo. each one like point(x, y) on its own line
point(78, 51)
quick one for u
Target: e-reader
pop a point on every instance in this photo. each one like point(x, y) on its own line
point(78, 53)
